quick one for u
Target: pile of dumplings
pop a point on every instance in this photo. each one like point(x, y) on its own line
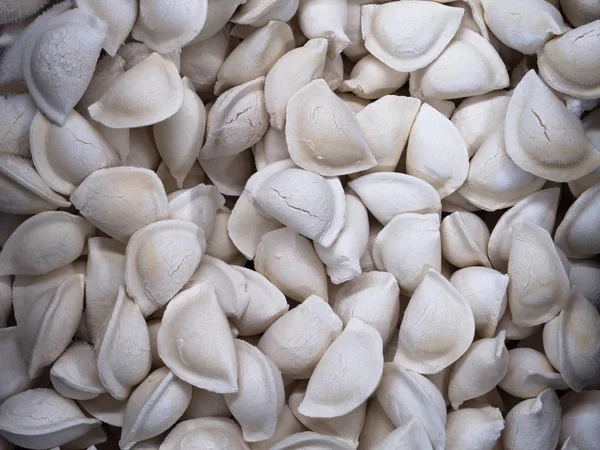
point(300, 224)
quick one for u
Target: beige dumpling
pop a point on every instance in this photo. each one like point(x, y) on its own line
point(478, 116)
point(570, 63)
point(228, 283)
point(318, 19)
point(260, 397)
point(374, 298)
point(479, 370)
point(434, 333)
point(571, 342)
point(494, 180)
point(539, 283)
point(197, 205)
point(356, 357)
point(386, 124)
point(121, 200)
point(75, 373)
point(287, 424)
point(165, 27)
point(15, 376)
point(310, 441)
point(179, 138)
point(200, 61)
point(119, 16)
point(22, 190)
point(291, 72)
point(465, 239)
point(474, 428)
point(205, 431)
point(297, 340)
point(468, 66)
point(579, 416)
point(538, 208)
point(356, 48)
point(154, 406)
point(524, 25)
point(389, 194)
point(533, 423)
point(410, 436)
point(195, 177)
point(323, 135)
point(585, 278)
point(142, 149)
point(436, 152)
point(377, 425)
point(270, 149)
point(59, 58)
point(407, 247)
point(57, 151)
point(104, 275)
point(529, 373)
point(44, 242)
point(255, 55)
point(230, 173)
point(371, 79)
point(206, 404)
point(258, 13)
point(543, 137)
point(513, 331)
point(408, 35)
point(219, 244)
point(160, 259)
point(406, 395)
point(148, 93)
point(47, 322)
point(192, 328)
point(346, 428)
point(485, 291)
point(577, 234)
point(580, 12)
point(16, 114)
point(308, 203)
point(105, 408)
point(123, 349)
point(237, 120)
point(342, 258)
point(42, 418)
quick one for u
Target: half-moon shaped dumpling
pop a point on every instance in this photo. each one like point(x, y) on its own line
point(571, 342)
point(205, 431)
point(167, 26)
point(119, 15)
point(179, 138)
point(405, 395)
point(539, 208)
point(44, 242)
point(436, 152)
point(318, 19)
point(494, 181)
point(524, 25)
point(121, 200)
point(437, 328)
point(42, 418)
point(543, 137)
point(577, 235)
point(124, 357)
point(474, 428)
point(323, 135)
point(160, 260)
point(59, 58)
point(468, 66)
point(260, 397)
point(148, 93)
point(465, 240)
point(347, 374)
point(308, 440)
point(22, 190)
point(75, 373)
point(388, 194)
point(308, 203)
point(409, 35)
point(372, 79)
point(237, 120)
point(539, 284)
point(197, 205)
point(154, 407)
point(195, 341)
point(64, 156)
point(407, 247)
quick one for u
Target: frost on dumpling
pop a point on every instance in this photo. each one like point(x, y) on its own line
point(51, 53)
point(409, 35)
